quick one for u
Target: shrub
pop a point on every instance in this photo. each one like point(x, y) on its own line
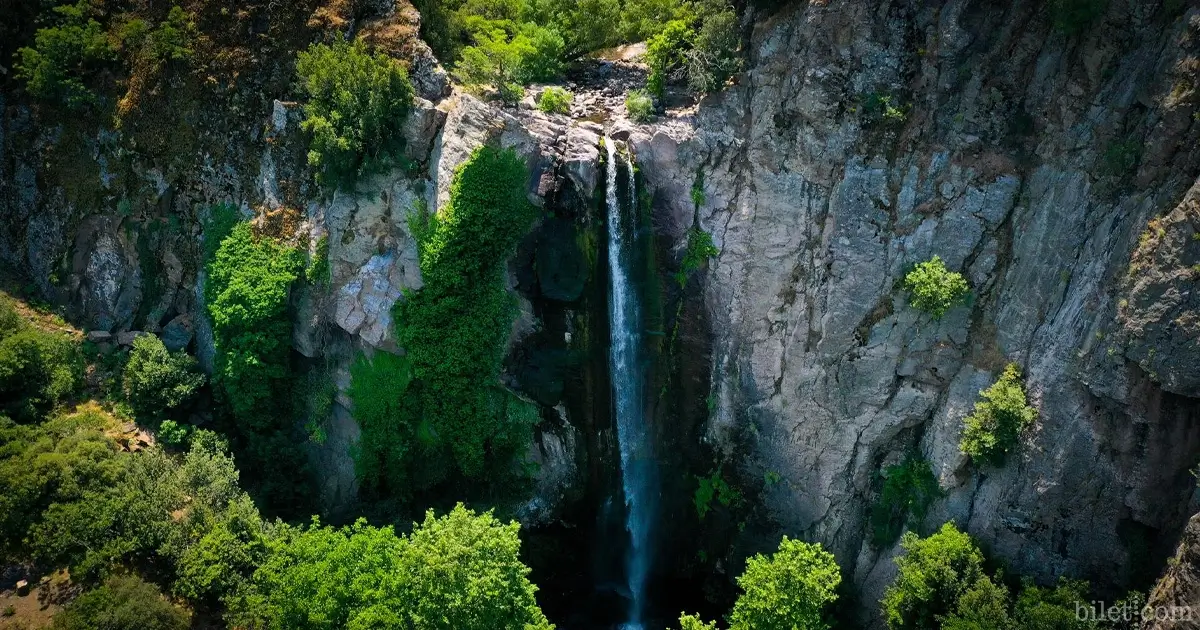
point(458, 572)
point(934, 573)
point(712, 487)
point(983, 606)
point(666, 54)
point(713, 58)
point(1040, 608)
point(38, 370)
point(791, 589)
point(555, 100)
point(503, 63)
point(317, 271)
point(998, 420)
point(385, 416)
point(357, 103)
point(908, 489)
point(157, 381)
point(700, 248)
point(170, 41)
point(934, 289)
point(63, 56)
point(693, 622)
point(122, 603)
point(639, 106)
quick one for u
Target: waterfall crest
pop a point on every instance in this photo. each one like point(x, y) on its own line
point(625, 362)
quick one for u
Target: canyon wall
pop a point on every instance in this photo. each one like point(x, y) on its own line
point(1057, 172)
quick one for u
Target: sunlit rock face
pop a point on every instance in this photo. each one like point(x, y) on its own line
point(1028, 160)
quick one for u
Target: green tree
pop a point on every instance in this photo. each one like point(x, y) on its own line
point(984, 606)
point(714, 56)
point(355, 110)
point(934, 573)
point(63, 56)
point(458, 572)
point(555, 100)
point(790, 590)
point(38, 369)
point(122, 603)
point(933, 288)
point(465, 573)
point(694, 622)
point(995, 426)
point(1041, 608)
point(156, 381)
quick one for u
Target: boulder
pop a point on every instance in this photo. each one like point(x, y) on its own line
point(178, 333)
point(126, 338)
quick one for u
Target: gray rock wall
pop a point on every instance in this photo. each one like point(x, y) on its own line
point(1027, 159)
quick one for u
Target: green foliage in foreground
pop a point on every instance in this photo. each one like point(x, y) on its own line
point(933, 288)
point(441, 413)
point(157, 381)
point(38, 368)
point(908, 489)
point(934, 574)
point(357, 102)
point(999, 418)
point(713, 487)
point(790, 590)
point(122, 603)
point(555, 100)
point(458, 572)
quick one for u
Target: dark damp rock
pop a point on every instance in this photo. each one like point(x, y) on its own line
point(562, 267)
point(542, 371)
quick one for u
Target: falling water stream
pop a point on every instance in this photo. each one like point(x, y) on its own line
point(637, 461)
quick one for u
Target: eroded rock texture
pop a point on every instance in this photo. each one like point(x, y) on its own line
point(865, 137)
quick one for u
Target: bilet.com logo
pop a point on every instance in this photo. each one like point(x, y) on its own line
point(1129, 611)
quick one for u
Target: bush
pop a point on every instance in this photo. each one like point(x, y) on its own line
point(996, 425)
point(908, 489)
point(170, 41)
point(666, 54)
point(156, 381)
point(122, 603)
point(983, 606)
point(700, 248)
point(502, 63)
point(555, 100)
point(934, 573)
point(713, 59)
point(1055, 608)
point(385, 416)
point(458, 572)
point(639, 106)
point(357, 103)
point(791, 589)
point(38, 370)
point(712, 487)
point(63, 56)
point(934, 289)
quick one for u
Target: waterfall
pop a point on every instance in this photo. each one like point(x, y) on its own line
point(637, 460)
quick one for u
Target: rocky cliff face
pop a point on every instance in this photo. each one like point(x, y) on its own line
point(865, 137)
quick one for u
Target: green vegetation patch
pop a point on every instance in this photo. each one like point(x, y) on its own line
point(700, 248)
point(908, 489)
point(934, 289)
point(38, 368)
point(995, 426)
point(445, 414)
point(555, 100)
point(156, 381)
point(714, 487)
point(357, 103)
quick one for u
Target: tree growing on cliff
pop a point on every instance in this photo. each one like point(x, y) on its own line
point(934, 574)
point(999, 418)
point(933, 288)
point(156, 381)
point(357, 103)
